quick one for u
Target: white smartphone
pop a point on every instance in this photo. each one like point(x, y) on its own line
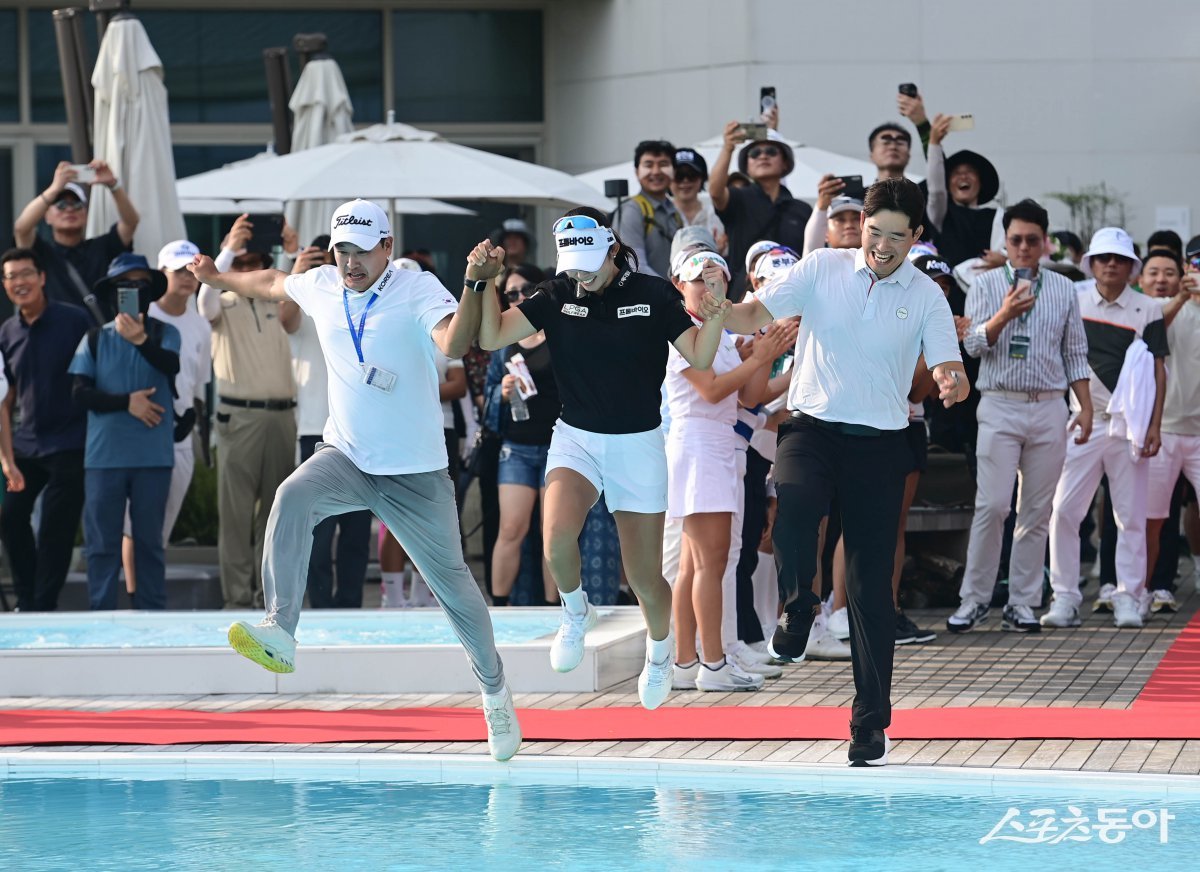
point(962, 122)
point(84, 174)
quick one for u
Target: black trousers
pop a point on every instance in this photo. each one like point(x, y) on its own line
point(866, 474)
point(40, 566)
point(353, 548)
point(754, 524)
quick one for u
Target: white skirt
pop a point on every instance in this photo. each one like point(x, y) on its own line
point(702, 470)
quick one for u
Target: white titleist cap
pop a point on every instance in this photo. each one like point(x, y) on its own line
point(176, 255)
point(359, 222)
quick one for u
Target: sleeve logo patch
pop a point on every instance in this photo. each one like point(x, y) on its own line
point(633, 311)
point(572, 309)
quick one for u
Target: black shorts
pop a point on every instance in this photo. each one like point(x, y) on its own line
point(918, 444)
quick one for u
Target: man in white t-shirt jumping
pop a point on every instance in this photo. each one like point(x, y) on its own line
point(384, 448)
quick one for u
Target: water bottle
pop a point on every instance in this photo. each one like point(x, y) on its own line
point(519, 408)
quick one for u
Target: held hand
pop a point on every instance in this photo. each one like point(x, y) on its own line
point(15, 481)
point(1153, 442)
point(715, 281)
point(949, 382)
point(1191, 283)
point(733, 135)
point(310, 258)
point(239, 234)
point(1083, 423)
point(144, 409)
point(203, 268)
point(1015, 305)
point(508, 385)
point(771, 117)
point(485, 261)
point(938, 129)
point(912, 108)
point(62, 174)
point(132, 330)
point(962, 326)
point(711, 308)
point(828, 188)
point(104, 173)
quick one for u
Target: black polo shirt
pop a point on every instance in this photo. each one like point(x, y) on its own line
point(90, 259)
point(46, 419)
point(609, 350)
point(751, 217)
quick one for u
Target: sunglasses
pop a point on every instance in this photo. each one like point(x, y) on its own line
point(575, 222)
point(1107, 257)
point(1031, 241)
point(889, 139)
point(65, 205)
point(763, 151)
point(515, 296)
point(686, 177)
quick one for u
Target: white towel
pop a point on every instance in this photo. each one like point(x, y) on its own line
point(1132, 402)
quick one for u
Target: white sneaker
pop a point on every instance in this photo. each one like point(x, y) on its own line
point(421, 596)
point(1060, 615)
point(266, 643)
point(567, 650)
point(654, 684)
point(391, 595)
point(839, 623)
point(1104, 599)
point(729, 678)
point(968, 616)
point(504, 731)
point(1127, 612)
point(747, 660)
point(823, 645)
point(684, 677)
point(1163, 601)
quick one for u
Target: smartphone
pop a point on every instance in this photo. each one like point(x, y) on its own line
point(1024, 281)
point(268, 232)
point(84, 174)
point(127, 300)
point(908, 89)
point(854, 187)
point(962, 122)
point(754, 131)
point(766, 99)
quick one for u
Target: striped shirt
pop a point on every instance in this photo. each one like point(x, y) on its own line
point(1057, 350)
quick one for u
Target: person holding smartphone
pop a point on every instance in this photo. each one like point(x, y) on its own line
point(608, 328)
point(960, 189)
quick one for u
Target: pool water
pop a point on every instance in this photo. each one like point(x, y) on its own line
point(127, 824)
point(207, 629)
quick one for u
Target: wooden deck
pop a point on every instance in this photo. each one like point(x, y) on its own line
point(1093, 666)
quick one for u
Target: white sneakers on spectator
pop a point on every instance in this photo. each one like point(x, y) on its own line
point(969, 615)
point(822, 644)
point(1061, 615)
point(1104, 600)
point(684, 677)
point(839, 623)
point(751, 661)
point(1163, 601)
point(266, 643)
point(1019, 619)
point(567, 649)
point(728, 679)
point(1127, 611)
point(654, 684)
point(504, 732)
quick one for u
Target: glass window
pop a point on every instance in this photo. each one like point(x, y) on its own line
point(493, 72)
point(10, 108)
point(213, 60)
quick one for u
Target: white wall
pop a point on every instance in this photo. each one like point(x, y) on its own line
point(1065, 93)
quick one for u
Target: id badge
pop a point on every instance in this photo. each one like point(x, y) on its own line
point(1018, 347)
point(378, 378)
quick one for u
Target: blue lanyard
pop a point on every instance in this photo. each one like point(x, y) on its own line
point(357, 335)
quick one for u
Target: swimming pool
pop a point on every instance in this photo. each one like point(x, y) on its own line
point(378, 652)
point(316, 812)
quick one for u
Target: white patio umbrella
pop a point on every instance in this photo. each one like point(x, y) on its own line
point(322, 110)
point(133, 135)
point(811, 164)
point(217, 206)
point(395, 161)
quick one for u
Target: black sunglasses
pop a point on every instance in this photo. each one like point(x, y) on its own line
point(763, 151)
point(514, 296)
point(1107, 257)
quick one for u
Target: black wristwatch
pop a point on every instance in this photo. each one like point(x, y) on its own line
point(477, 286)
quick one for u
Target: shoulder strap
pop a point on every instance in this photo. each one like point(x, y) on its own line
point(93, 338)
point(85, 295)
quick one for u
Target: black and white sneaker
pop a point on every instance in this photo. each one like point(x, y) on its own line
point(868, 747)
point(907, 632)
point(791, 636)
point(1020, 619)
point(969, 615)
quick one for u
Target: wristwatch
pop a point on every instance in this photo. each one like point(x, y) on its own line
point(476, 286)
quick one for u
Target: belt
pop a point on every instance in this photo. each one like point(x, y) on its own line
point(1027, 396)
point(268, 405)
point(839, 427)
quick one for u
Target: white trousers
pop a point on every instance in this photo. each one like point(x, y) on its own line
point(1127, 481)
point(1018, 442)
point(1179, 454)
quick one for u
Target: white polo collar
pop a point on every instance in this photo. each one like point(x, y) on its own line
point(903, 275)
point(1123, 300)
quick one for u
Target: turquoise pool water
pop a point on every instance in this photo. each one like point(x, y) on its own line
point(127, 824)
point(207, 629)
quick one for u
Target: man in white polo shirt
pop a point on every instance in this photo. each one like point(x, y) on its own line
point(384, 448)
point(867, 316)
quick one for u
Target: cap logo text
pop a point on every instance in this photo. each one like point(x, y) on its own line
point(343, 220)
point(576, 240)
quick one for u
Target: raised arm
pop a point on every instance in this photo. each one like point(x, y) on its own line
point(127, 216)
point(455, 333)
point(260, 284)
point(935, 174)
point(501, 329)
point(718, 176)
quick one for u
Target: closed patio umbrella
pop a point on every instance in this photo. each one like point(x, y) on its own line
point(322, 110)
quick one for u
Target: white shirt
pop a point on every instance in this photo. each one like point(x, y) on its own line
point(195, 353)
point(444, 365)
point(684, 400)
point(312, 378)
point(860, 337)
point(394, 433)
point(1181, 411)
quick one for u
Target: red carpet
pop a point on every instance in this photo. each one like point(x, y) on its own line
point(1168, 708)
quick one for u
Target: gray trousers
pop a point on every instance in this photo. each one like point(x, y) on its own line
point(420, 512)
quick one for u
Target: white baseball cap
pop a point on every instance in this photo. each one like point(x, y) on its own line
point(844, 204)
point(359, 222)
point(582, 243)
point(775, 261)
point(1111, 240)
point(176, 255)
point(761, 247)
point(693, 267)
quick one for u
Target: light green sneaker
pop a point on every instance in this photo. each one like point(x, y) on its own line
point(266, 643)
